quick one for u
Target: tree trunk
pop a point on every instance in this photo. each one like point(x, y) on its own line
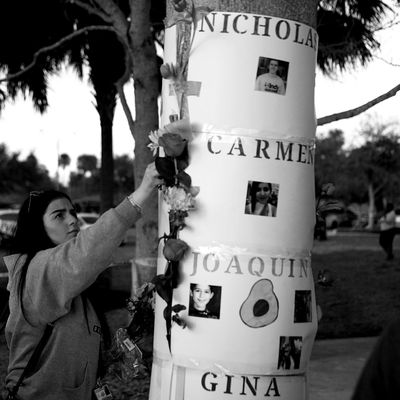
point(145, 75)
point(106, 101)
point(107, 167)
point(371, 206)
point(302, 11)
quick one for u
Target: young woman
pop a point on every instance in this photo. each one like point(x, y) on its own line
point(388, 231)
point(52, 266)
point(261, 199)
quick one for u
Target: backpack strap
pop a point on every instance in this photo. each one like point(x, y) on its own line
point(12, 393)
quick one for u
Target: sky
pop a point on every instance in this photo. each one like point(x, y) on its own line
point(71, 124)
point(359, 85)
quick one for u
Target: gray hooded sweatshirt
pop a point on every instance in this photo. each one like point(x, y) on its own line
point(56, 277)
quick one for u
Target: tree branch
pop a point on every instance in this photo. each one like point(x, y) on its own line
point(92, 9)
point(392, 64)
point(55, 45)
point(125, 107)
point(120, 89)
point(358, 110)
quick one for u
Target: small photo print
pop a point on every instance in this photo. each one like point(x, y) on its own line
point(290, 352)
point(262, 198)
point(302, 306)
point(272, 75)
point(204, 301)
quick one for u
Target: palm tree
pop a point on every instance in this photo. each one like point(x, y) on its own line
point(64, 160)
point(131, 22)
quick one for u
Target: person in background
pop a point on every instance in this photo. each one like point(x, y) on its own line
point(379, 379)
point(387, 225)
point(51, 268)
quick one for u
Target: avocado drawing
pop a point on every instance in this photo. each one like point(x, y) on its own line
point(261, 306)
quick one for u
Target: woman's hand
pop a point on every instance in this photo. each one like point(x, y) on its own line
point(150, 180)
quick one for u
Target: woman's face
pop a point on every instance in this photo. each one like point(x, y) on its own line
point(60, 221)
point(201, 294)
point(263, 193)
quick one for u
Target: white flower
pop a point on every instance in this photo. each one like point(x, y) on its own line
point(154, 136)
point(178, 199)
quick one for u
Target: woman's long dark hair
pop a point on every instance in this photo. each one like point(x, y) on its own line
point(31, 237)
point(253, 192)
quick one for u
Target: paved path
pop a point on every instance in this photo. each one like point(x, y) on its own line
point(335, 367)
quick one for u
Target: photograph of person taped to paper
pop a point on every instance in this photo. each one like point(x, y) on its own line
point(272, 75)
point(302, 306)
point(262, 198)
point(204, 300)
point(290, 352)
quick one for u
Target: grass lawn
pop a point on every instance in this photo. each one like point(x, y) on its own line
point(365, 294)
point(363, 299)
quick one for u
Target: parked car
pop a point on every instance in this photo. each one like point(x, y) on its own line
point(8, 224)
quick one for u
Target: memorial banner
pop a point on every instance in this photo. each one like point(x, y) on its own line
point(243, 311)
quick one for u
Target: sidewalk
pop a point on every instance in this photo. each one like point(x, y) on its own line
point(335, 366)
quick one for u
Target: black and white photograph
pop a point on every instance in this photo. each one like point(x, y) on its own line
point(302, 306)
point(204, 301)
point(215, 184)
point(262, 198)
point(272, 75)
point(290, 352)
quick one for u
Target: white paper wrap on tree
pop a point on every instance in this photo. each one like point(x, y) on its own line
point(230, 52)
point(261, 306)
point(246, 282)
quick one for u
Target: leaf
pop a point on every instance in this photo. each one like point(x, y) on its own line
point(194, 191)
point(177, 308)
point(185, 179)
point(166, 168)
point(167, 316)
point(163, 287)
point(179, 321)
point(167, 312)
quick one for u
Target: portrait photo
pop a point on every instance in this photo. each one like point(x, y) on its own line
point(272, 75)
point(290, 352)
point(302, 306)
point(262, 198)
point(204, 301)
